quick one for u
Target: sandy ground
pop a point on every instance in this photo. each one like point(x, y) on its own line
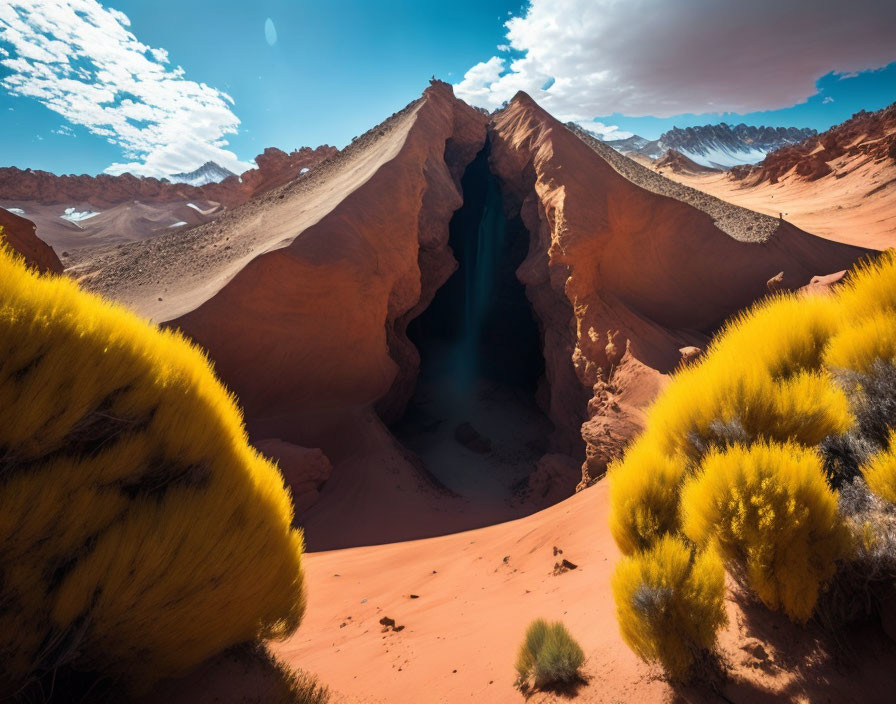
point(465, 601)
point(844, 208)
point(122, 223)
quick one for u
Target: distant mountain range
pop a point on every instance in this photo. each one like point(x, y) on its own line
point(715, 146)
point(209, 172)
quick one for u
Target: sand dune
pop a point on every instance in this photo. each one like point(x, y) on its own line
point(474, 594)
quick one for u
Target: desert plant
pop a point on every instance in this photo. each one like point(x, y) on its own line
point(670, 604)
point(865, 582)
point(774, 518)
point(140, 532)
point(644, 496)
point(548, 657)
point(880, 472)
point(745, 450)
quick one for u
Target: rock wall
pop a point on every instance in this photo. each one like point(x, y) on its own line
point(622, 278)
point(275, 168)
point(19, 234)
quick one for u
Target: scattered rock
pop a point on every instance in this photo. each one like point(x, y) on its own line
point(414, 596)
point(689, 354)
point(557, 551)
point(472, 439)
point(564, 566)
point(776, 283)
point(388, 624)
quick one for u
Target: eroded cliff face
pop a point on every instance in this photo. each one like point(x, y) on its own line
point(303, 296)
point(622, 278)
point(326, 310)
point(19, 233)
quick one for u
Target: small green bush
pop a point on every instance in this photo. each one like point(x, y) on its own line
point(548, 657)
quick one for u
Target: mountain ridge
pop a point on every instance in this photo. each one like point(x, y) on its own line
point(718, 146)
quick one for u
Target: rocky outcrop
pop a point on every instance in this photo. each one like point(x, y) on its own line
point(19, 234)
point(621, 277)
point(305, 470)
point(302, 297)
point(274, 168)
point(865, 137)
point(677, 162)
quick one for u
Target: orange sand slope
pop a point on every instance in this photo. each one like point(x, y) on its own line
point(843, 209)
point(478, 591)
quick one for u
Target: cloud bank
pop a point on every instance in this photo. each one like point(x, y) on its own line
point(654, 57)
point(80, 60)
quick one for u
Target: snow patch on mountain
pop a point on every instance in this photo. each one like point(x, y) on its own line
point(209, 172)
point(75, 215)
point(715, 146)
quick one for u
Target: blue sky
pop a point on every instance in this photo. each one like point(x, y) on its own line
point(338, 68)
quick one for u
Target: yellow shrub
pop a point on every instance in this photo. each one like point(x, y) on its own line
point(870, 289)
point(880, 472)
point(771, 512)
point(670, 604)
point(140, 533)
point(643, 496)
point(862, 342)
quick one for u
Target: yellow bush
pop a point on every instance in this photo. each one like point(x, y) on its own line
point(670, 603)
point(771, 512)
point(860, 343)
point(870, 289)
point(880, 472)
point(733, 451)
point(140, 533)
point(643, 496)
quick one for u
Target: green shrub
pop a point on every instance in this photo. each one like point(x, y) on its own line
point(670, 604)
point(548, 657)
point(140, 533)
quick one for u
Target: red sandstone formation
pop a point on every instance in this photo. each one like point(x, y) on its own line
point(612, 259)
point(305, 470)
point(302, 297)
point(275, 168)
point(867, 137)
point(19, 234)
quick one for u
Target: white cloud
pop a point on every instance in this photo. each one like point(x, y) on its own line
point(604, 131)
point(827, 99)
point(64, 130)
point(80, 60)
point(654, 57)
